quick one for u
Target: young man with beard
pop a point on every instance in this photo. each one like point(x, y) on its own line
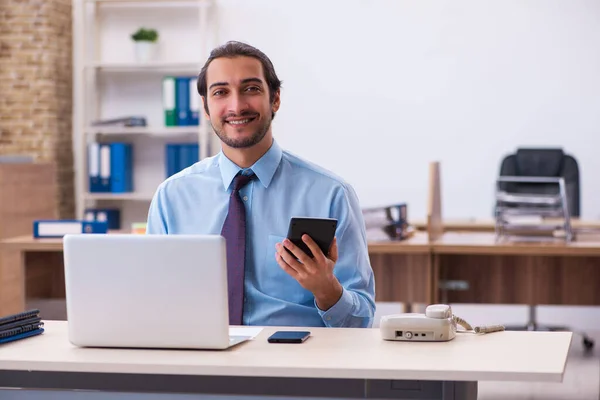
point(252, 188)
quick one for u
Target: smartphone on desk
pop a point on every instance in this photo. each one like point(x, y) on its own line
point(289, 337)
point(321, 230)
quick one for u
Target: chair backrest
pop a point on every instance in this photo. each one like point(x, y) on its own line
point(531, 162)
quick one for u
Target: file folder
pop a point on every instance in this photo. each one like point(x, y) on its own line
point(105, 172)
point(94, 167)
point(112, 216)
point(59, 228)
point(194, 101)
point(182, 100)
point(171, 159)
point(121, 166)
point(168, 93)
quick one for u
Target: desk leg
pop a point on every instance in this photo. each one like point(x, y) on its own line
point(236, 387)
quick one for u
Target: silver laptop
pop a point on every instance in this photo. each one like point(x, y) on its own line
point(147, 291)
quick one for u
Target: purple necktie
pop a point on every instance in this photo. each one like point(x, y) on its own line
point(234, 232)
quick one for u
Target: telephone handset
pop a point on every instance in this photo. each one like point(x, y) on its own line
point(437, 324)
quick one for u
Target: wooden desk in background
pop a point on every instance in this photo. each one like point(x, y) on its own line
point(33, 269)
point(402, 271)
point(406, 272)
point(519, 273)
point(488, 225)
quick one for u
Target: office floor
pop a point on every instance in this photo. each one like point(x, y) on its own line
point(582, 376)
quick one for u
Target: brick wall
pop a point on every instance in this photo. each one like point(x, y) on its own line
point(35, 87)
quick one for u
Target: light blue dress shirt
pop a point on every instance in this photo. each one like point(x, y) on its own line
point(196, 201)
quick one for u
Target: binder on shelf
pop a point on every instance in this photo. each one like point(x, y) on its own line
point(112, 216)
point(105, 176)
point(121, 167)
point(60, 228)
point(188, 155)
point(179, 156)
point(168, 93)
point(94, 167)
point(182, 101)
point(171, 159)
point(194, 101)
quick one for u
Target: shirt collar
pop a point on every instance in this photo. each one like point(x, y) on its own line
point(264, 168)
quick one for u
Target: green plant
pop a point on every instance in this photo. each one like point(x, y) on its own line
point(145, 35)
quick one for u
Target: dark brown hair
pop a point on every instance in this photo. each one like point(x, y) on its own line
point(238, 49)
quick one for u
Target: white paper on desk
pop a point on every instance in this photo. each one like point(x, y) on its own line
point(524, 219)
point(251, 332)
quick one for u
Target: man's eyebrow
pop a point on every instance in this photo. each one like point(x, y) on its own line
point(246, 80)
point(218, 84)
point(257, 80)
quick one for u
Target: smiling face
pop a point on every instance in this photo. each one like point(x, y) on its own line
point(239, 108)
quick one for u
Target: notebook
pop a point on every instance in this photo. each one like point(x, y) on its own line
point(20, 325)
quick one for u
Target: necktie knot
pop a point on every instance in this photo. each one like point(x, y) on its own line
point(241, 180)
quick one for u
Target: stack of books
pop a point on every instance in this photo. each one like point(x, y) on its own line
point(20, 326)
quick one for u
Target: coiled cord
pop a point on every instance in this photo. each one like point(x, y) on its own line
point(477, 329)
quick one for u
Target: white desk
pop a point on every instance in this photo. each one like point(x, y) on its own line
point(350, 363)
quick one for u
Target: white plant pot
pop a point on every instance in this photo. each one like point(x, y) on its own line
point(145, 51)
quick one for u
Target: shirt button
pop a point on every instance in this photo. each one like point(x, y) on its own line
point(245, 198)
point(328, 318)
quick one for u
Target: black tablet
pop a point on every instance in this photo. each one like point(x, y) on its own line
point(321, 230)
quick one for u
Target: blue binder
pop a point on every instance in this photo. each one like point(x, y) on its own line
point(94, 167)
point(188, 155)
point(171, 159)
point(105, 168)
point(193, 153)
point(194, 101)
point(59, 228)
point(121, 166)
point(112, 216)
point(182, 101)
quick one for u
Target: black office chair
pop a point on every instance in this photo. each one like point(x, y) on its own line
point(544, 163)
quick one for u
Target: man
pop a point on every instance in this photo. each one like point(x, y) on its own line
point(249, 192)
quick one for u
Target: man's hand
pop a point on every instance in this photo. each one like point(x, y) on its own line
point(313, 274)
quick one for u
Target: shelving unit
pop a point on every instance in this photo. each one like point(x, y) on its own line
point(110, 83)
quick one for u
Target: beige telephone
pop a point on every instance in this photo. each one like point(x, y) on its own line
point(437, 324)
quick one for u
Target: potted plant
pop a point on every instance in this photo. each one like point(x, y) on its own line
point(145, 44)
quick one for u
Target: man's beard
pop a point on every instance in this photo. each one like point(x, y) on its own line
point(255, 138)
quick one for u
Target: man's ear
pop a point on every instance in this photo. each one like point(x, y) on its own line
point(276, 101)
point(205, 107)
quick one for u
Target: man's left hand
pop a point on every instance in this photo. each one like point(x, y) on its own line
point(313, 274)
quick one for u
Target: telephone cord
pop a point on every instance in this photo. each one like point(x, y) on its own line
point(477, 329)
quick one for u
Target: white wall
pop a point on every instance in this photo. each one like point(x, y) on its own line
point(375, 89)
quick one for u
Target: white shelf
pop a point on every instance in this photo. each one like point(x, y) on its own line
point(190, 67)
point(119, 196)
point(149, 131)
point(108, 83)
point(150, 3)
